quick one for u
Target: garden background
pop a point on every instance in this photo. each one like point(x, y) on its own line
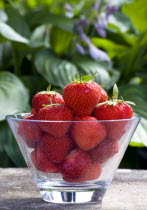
point(47, 41)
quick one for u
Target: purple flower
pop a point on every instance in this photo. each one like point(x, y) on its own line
point(80, 48)
point(97, 5)
point(97, 54)
point(94, 52)
point(68, 7)
point(100, 29)
point(110, 10)
point(81, 23)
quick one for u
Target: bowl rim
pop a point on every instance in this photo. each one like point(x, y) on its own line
point(14, 117)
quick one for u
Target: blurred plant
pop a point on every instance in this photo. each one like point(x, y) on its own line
point(45, 42)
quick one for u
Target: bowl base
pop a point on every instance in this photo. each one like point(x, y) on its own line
point(77, 193)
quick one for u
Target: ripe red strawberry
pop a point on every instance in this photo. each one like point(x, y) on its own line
point(42, 162)
point(88, 133)
point(106, 149)
point(56, 147)
point(82, 97)
point(76, 164)
point(114, 109)
point(30, 131)
point(116, 129)
point(92, 173)
point(55, 113)
point(108, 111)
point(104, 96)
point(33, 112)
point(45, 98)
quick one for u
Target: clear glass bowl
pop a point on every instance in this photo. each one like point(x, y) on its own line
point(81, 178)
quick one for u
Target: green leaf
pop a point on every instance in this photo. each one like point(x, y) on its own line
point(8, 33)
point(40, 36)
point(17, 22)
point(137, 94)
point(137, 12)
point(3, 16)
point(122, 21)
point(10, 145)
point(60, 40)
point(5, 55)
point(104, 72)
point(54, 70)
point(140, 136)
point(113, 49)
point(42, 17)
point(14, 96)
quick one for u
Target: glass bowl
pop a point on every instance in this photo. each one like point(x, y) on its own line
point(72, 161)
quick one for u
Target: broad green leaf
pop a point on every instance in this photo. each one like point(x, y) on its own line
point(115, 34)
point(137, 12)
point(3, 16)
point(5, 55)
point(121, 20)
point(54, 70)
point(10, 145)
point(113, 49)
point(60, 40)
point(140, 137)
point(40, 36)
point(137, 94)
point(42, 17)
point(104, 72)
point(8, 33)
point(14, 96)
point(17, 22)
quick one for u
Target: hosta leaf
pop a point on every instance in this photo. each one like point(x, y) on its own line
point(140, 137)
point(13, 95)
point(10, 145)
point(104, 72)
point(54, 70)
point(9, 33)
point(42, 17)
point(137, 12)
point(5, 55)
point(137, 94)
point(17, 22)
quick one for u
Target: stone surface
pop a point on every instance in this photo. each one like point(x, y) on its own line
point(128, 191)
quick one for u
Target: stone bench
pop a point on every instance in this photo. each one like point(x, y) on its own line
point(128, 191)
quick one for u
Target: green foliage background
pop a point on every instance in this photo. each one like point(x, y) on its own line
point(37, 47)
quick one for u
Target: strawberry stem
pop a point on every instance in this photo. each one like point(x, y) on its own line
point(49, 88)
point(115, 92)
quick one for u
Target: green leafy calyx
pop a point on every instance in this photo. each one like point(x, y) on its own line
point(78, 78)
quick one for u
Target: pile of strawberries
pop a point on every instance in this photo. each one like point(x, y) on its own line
point(70, 136)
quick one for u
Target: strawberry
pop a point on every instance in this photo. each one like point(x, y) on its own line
point(108, 111)
point(106, 149)
point(81, 96)
point(55, 113)
point(76, 164)
point(45, 98)
point(56, 147)
point(33, 112)
point(104, 96)
point(116, 129)
point(87, 132)
point(92, 173)
point(42, 162)
point(114, 110)
point(30, 130)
